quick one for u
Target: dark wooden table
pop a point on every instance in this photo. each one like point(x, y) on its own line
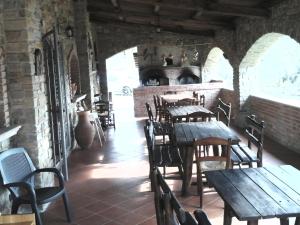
point(182, 111)
point(185, 133)
point(258, 193)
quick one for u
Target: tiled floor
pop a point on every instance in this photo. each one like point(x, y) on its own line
point(110, 185)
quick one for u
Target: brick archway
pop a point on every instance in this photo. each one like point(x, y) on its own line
point(253, 68)
point(218, 67)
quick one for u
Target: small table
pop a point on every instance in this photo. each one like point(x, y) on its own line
point(185, 133)
point(258, 193)
point(177, 113)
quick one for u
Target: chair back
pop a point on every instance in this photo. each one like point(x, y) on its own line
point(149, 112)
point(167, 207)
point(16, 166)
point(198, 117)
point(155, 102)
point(170, 92)
point(255, 134)
point(200, 99)
point(223, 112)
point(208, 158)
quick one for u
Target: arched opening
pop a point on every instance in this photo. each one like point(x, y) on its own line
point(271, 69)
point(218, 68)
point(122, 77)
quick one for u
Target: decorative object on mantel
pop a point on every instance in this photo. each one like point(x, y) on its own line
point(8, 132)
point(84, 131)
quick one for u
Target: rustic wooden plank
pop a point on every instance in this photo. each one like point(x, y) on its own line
point(179, 134)
point(263, 203)
point(276, 193)
point(240, 206)
point(237, 155)
point(291, 180)
point(280, 184)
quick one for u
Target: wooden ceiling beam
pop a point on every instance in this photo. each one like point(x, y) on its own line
point(152, 19)
point(176, 29)
point(233, 10)
point(211, 8)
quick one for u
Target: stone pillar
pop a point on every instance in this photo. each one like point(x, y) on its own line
point(82, 41)
point(103, 78)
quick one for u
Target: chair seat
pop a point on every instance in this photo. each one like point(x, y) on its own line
point(242, 154)
point(167, 155)
point(44, 195)
point(212, 165)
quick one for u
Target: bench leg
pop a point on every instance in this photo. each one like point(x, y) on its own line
point(284, 221)
point(252, 222)
point(297, 222)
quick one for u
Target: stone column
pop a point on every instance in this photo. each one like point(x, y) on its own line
point(103, 78)
point(82, 41)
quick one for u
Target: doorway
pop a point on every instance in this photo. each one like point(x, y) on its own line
point(57, 106)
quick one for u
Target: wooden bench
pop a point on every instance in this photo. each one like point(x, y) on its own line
point(252, 152)
point(168, 209)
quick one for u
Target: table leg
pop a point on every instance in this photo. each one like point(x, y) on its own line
point(187, 170)
point(297, 222)
point(284, 221)
point(252, 222)
point(227, 215)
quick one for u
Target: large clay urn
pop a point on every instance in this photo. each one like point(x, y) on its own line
point(84, 131)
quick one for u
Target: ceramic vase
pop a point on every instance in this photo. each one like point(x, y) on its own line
point(84, 131)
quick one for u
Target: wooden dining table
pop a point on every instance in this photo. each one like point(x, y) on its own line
point(178, 113)
point(251, 194)
point(186, 133)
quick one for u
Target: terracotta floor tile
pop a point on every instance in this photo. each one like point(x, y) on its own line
point(114, 212)
point(93, 220)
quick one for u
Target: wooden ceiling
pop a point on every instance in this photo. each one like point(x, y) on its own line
point(200, 17)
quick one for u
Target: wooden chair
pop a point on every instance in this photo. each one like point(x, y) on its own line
point(160, 128)
point(252, 152)
point(157, 107)
point(161, 155)
point(198, 117)
point(18, 173)
point(168, 209)
point(223, 112)
point(200, 99)
point(206, 160)
point(105, 113)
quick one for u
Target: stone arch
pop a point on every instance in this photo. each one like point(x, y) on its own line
point(217, 67)
point(260, 64)
point(74, 73)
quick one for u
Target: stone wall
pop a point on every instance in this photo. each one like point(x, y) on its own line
point(142, 95)
point(23, 98)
